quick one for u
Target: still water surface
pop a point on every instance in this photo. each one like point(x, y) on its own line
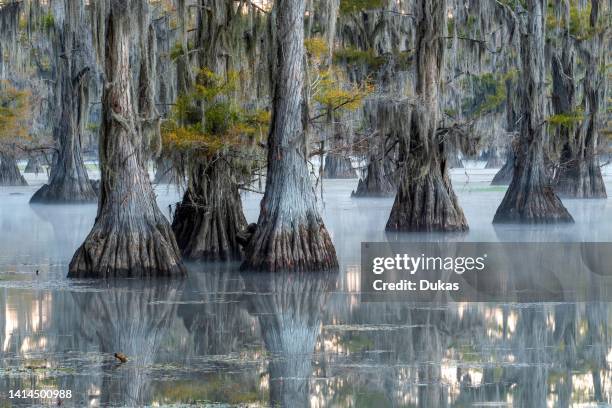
point(224, 338)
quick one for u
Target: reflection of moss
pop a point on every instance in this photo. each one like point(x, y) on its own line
point(210, 389)
point(498, 373)
point(357, 343)
point(555, 376)
point(467, 353)
point(372, 399)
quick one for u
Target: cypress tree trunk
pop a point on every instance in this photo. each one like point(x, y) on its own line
point(209, 218)
point(579, 174)
point(530, 197)
point(9, 172)
point(33, 166)
point(425, 199)
point(69, 181)
point(290, 234)
point(376, 183)
point(337, 166)
point(130, 237)
point(504, 176)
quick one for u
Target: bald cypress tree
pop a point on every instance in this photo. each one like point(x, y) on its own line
point(131, 236)
point(530, 197)
point(290, 234)
point(425, 199)
point(69, 181)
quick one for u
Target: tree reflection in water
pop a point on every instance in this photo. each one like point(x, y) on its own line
point(288, 307)
point(131, 317)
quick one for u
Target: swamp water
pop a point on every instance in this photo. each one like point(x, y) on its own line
point(226, 338)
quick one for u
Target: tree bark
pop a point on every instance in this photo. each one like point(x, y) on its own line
point(210, 217)
point(376, 182)
point(69, 182)
point(290, 233)
point(33, 166)
point(504, 176)
point(425, 199)
point(9, 172)
point(130, 237)
point(337, 166)
point(579, 174)
point(530, 197)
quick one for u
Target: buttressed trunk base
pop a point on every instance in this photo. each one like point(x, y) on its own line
point(530, 197)
point(9, 172)
point(504, 176)
point(208, 220)
point(580, 178)
point(290, 234)
point(425, 199)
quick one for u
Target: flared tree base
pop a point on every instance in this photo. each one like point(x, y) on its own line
point(209, 233)
point(504, 176)
point(338, 167)
point(65, 192)
point(538, 205)
point(375, 184)
point(426, 204)
point(581, 180)
point(302, 245)
point(138, 249)
point(10, 176)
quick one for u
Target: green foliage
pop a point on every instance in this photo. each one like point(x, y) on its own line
point(210, 389)
point(332, 96)
point(579, 20)
point(209, 120)
point(316, 47)
point(489, 94)
point(355, 56)
point(450, 25)
point(48, 21)
point(566, 120)
point(210, 85)
point(514, 4)
point(14, 113)
point(352, 6)
point(367, 58)
point(176, 51)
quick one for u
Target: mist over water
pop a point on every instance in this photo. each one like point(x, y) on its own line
point(246, 339)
